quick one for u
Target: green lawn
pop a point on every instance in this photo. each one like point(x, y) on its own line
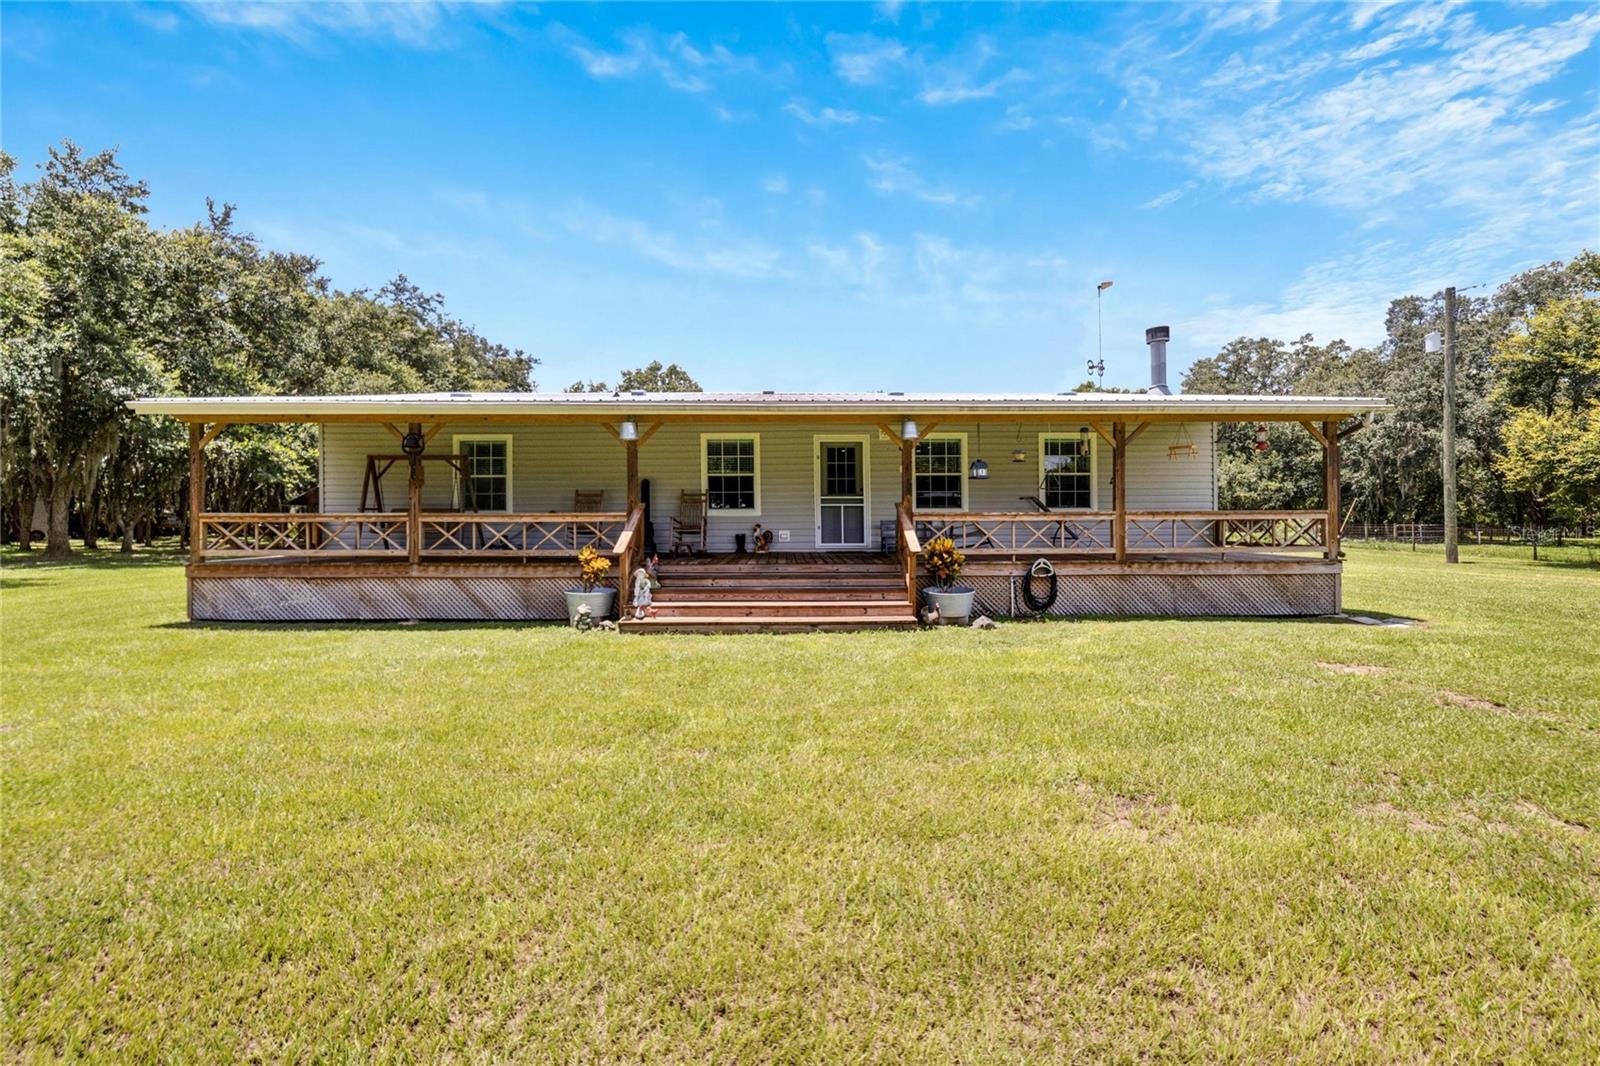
point(1122, 840)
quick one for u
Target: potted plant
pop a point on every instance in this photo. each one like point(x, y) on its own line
point(944, 564)
point(592, 569)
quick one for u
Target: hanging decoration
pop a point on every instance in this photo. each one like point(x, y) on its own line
point(1019, 454)
point(1261, 437)
point(1185, 448)
point(979, 470)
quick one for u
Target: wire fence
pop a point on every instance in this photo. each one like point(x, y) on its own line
point(1418, 534)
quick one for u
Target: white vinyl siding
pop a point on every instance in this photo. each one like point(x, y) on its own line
point(551, 462)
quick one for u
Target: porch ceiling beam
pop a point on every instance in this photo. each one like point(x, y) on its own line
point(1100, 429)
point(426, 437)
point(609, 428)
point(1131, 437)
point(392, 428)
point(647, 434)
point(1355, 427)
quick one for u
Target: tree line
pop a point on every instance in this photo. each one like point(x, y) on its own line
point(98, 307)
point(1527, 400)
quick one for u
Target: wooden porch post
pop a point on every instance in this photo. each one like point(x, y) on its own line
point(1330, 482)
point(908, 466)
point(197, 491)
point(414, 505)
point(1119, 490)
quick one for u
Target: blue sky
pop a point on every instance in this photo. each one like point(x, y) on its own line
point(892, 196)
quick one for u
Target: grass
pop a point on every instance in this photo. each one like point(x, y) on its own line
point(1125, 840)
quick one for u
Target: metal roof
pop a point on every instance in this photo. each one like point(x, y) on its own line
point(469, 404)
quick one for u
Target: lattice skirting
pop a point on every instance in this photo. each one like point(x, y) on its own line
point(1265, 594)
point(377, 599)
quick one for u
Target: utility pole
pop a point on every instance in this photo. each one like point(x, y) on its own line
point(1099, 327)
point(1452, 553)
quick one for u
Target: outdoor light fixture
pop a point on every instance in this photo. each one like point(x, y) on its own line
point(630, 430)
point(908, 429)
point(413, 443)
point(1433, 344)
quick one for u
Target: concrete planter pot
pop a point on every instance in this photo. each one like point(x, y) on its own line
point(600, 602)
point(954, 604)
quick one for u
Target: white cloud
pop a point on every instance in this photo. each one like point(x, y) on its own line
point(824, 117)
point(1171, 196)
point(673, 58)
point(892, 176)
point(707, 253)
point(777, 185)
point(863, 59)
point(419, 25)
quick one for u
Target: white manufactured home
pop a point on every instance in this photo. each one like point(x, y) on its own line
point(770, 510)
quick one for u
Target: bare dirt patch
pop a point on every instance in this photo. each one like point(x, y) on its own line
point(1477, 703)
point(1533, 810)
point(1363, 669)
point(1385, 809)
point(1141, 816)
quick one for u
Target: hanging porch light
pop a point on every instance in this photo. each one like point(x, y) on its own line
point(979, 470)
point(908, 429)
point(629, 430)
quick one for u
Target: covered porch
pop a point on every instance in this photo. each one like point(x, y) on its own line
point(479, 554)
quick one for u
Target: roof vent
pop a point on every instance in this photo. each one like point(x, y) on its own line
point(768, 392)
point(461, 395)
point(1156, 337)
point(897, 394)
point(638, 392)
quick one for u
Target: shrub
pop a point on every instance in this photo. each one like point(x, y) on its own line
point(592, 567)
point(942, 561)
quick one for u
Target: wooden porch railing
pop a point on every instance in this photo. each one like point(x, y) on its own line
point(364, 534)
point(345, 535)
point(1148, 532)
point(627, 550)
point(908, 548)
point(501, 535)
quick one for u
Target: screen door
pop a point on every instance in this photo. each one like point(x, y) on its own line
point(842, 517)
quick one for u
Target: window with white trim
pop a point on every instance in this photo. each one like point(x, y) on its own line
point(1066, 471)
point(730, 467)
point(940, 473)
point(486, 463)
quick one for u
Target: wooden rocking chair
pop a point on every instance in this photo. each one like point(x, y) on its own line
point(689, 525)
point(588, 501)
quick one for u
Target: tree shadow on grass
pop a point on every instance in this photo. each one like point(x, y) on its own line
point(93, 559)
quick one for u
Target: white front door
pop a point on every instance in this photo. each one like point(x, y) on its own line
point(841, 494)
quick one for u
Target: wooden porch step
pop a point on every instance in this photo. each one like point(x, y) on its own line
point(765, 624)
point(852, 593)
point(767, 608)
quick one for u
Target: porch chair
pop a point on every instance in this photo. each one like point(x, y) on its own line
point(689, 525)
point(588, 501)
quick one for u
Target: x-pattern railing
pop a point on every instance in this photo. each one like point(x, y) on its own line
point(1091, 532)
point(520, 534)
point(304, 534)
point(1030, 531)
